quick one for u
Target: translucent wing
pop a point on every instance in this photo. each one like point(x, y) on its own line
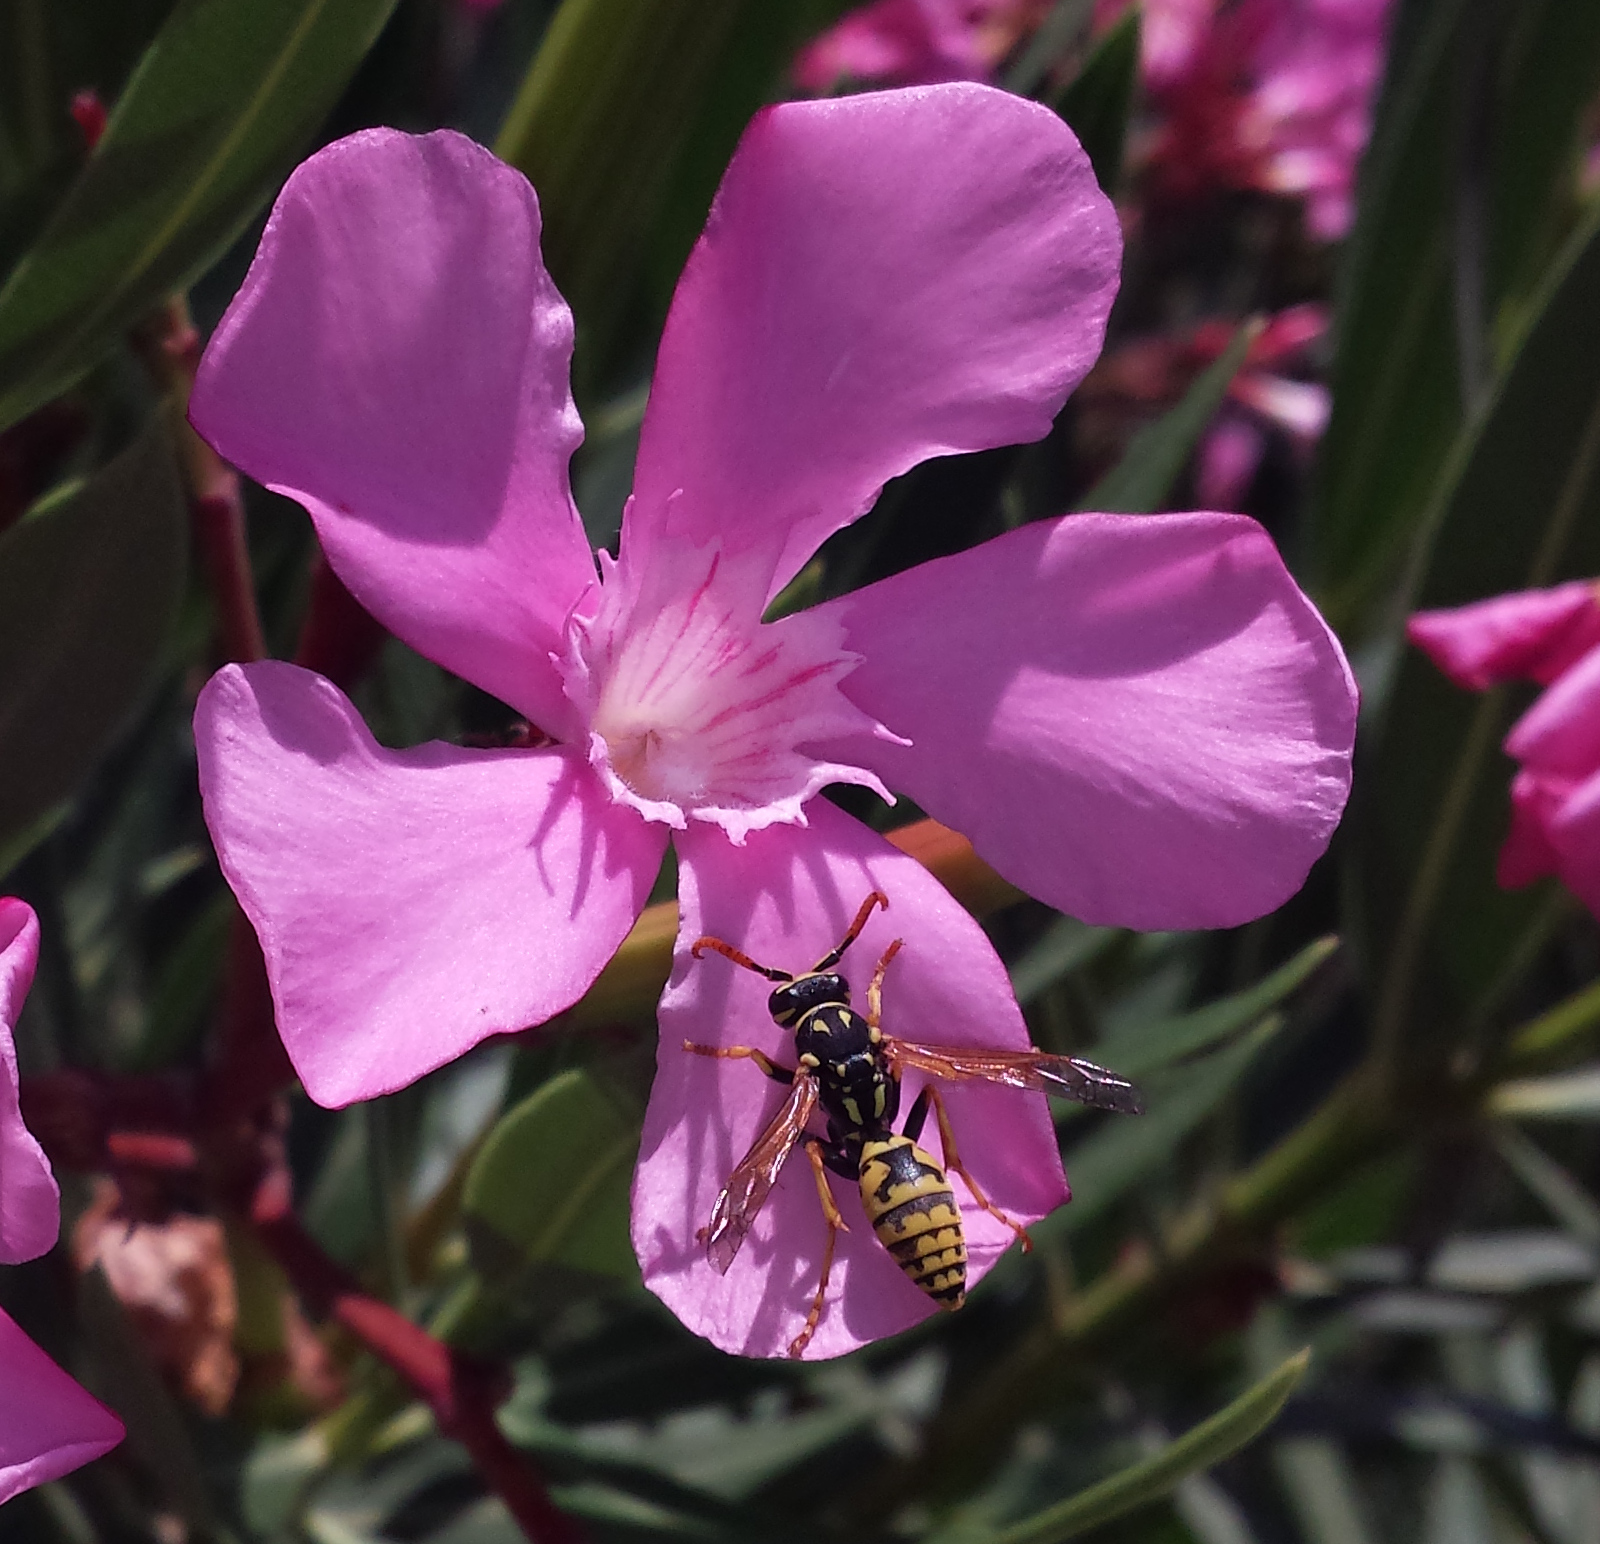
point(1068, 1077)
point(751, 1182)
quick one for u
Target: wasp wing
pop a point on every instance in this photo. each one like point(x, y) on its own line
point(751, 1182)
point(1068, 1077)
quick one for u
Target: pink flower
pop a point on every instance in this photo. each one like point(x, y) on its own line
point(1551, 637)
point(49, 1425)
point(916, 42)
point(1274, 95)
point(1143, 721)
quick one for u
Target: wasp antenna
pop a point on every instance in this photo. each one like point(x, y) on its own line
point(738, 956)
point(834, 955)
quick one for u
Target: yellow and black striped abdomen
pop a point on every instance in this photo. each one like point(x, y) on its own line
point(912, 1209)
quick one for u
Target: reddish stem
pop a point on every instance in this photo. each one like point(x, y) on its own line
point(461, 1392)
point(171, 349)
point(340, 638)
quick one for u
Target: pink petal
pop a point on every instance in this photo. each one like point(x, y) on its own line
point(1573, 830)
point(1139, 719)
point(49, 1425)
point(1560, 733)
point(30, 1204)
point(409, 903)
point(883, 278)
point(1527, 853)
point(397, 361)
point(786, 896)
point(1530, 635)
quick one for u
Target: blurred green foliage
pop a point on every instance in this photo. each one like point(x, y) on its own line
point(1387, 1148)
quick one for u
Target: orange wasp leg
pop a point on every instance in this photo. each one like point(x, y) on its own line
point(952, 1161)
point(778, 1073)
point(836, 1226)
point(875, 986)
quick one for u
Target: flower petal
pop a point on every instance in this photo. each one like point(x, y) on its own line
point(49, 1425)
point(787, 896)
point(409, 903)
point(1573, 831)
point(884, 278)
point(30, 1203)
point(1527, 853)
point(397, 361)
point(1139, 719)
point(1530, 635)
point(1560, 733)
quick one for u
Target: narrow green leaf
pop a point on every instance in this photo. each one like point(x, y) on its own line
point(551, 1183)
point(1197, 1449)
point(88, 595)
point(1146, 1047)
point(1099, 102)
point(212, 120)
point(1116, 1158)
point(1571, 1095)
point(1066, 945)
point(1427, 837)
point(1143, 480)
point(1397, 402)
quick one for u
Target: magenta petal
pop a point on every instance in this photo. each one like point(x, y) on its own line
point(1527, 853)
point(1139, 719)
point(1530, 635)
point(409, 903)
point(49, 1425)
point(786, 896)
point(30, 1204)
point(883, 278)
point(1560, 733)
point(1573, 830)
point(397, 361)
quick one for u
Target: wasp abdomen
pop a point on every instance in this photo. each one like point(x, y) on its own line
point(912, 1209)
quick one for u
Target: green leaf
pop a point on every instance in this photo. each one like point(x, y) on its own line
point(1106, 1166)
point(1398, 401)
point(1571, 1095)
point(1098, 103)
point(1197, 1449)
point(223, 101)
point(624, 123)
point(551, 1183)
point(88, 595)
point(1438, 930)
point(1147, 1047)
point(1156, 456)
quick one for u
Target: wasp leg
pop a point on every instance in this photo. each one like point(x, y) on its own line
point(952, 1156)
point(833, 956)
point(875, 986)
point(778, 1073)
point(738, 956)
point(836, 1226)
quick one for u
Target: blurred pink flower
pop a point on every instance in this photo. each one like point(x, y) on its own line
point(1551, 637)
point(1142, 721)
point(49, 1425)
point(916, 42)
point(1274, 95)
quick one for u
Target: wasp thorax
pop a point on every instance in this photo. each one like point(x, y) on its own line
point(796, 998)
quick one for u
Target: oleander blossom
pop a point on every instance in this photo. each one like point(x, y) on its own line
point(1552, 638)
point(49, 1424)
point(1274, 95)
point(1140, 720)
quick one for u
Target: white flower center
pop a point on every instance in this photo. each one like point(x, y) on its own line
point(697, 709)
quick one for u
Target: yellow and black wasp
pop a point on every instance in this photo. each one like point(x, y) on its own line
point(848, 1065)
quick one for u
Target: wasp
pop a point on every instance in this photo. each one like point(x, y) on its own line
point(852, 1069)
